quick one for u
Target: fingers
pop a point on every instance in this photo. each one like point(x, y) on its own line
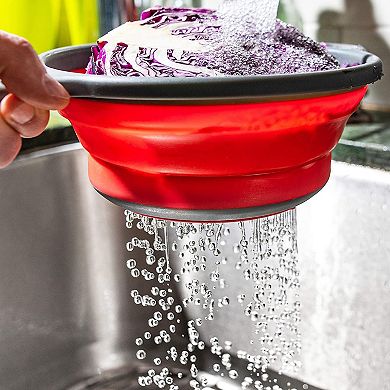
point(25, 119)
point(25, 76)
point(10, 143)
point(24, 113)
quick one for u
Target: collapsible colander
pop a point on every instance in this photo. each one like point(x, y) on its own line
point(211, 149)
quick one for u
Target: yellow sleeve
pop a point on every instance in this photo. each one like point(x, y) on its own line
point(80, 23)
point(51, 23)
point(36, 21)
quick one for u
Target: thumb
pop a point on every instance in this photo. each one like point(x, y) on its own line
point(24, 75)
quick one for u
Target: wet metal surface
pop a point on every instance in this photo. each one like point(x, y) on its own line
point(65, 310)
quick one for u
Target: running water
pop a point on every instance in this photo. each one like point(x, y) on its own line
point(240, 16)
point(252, 41)
point(244, 25)
point(204, 260)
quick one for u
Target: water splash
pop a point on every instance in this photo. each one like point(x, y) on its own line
point(260, 256)
point(252, 41)
point(238, 17)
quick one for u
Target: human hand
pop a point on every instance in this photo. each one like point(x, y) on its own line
point(32, 93)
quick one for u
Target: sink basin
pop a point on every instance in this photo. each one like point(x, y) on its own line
point(66, 316)
point(344, 255)
point(345, 261)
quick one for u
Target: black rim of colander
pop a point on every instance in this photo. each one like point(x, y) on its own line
point(60, 63)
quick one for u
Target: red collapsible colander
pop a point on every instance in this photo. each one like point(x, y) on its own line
point(211, 149)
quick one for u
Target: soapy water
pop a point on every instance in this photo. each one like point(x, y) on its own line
point(200, 259)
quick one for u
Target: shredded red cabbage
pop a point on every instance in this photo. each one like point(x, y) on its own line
point(283, 50)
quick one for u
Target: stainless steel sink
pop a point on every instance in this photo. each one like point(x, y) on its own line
point(66, 317)
point(344, 237)
point(344, 252)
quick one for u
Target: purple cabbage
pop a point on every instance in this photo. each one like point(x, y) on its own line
point(284, 50)
point(98, 58)
point(156, 12)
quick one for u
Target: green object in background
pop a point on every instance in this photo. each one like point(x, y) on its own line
point(51, 23)
point(288, 12)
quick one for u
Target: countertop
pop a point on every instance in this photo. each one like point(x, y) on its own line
point(366, 144)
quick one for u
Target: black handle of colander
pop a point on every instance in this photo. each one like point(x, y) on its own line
point(71, 84)
point(4, 92)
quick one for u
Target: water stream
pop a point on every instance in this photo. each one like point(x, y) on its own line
point(201, 260)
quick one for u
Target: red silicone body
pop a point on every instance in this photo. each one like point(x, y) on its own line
point(211, 157)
